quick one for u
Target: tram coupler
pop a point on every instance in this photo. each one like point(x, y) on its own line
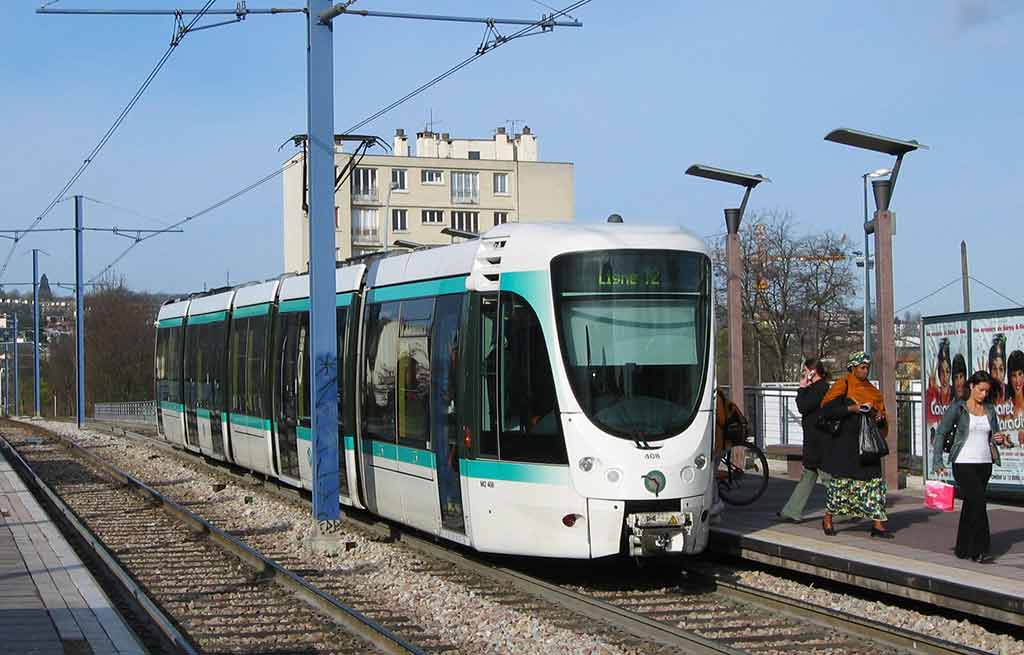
point(657, 533)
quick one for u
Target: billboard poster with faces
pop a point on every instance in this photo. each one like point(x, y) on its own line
point(997, 345)
point(945, 369)
point(965, 343)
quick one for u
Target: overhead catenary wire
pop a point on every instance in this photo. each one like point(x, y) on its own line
point(127, 210)
point(995, 291)
point(923, 298)
point(110, 131)
point(220, 203)
point(481, 51)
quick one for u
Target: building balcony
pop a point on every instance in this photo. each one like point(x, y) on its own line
point(366, 196)
point(465, 198)
point(367, 235)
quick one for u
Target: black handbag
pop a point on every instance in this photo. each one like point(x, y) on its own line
point(831, 425)
point(947, 441)
point(872, 445)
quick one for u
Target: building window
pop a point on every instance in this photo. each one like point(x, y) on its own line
point(500, 218)
point(364, 184)
point(337, 218)
point(465, 188)
point(398, 179)
point(474, 154)
point(431, 176)
point(501, 184)
point(433, 216)
point(399, 222)
point(466, 221)
point(364, 225)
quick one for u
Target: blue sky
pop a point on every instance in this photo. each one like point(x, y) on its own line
point(634, 97)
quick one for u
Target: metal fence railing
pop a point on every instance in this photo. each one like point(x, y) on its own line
point(139, 411)
point(775, 420)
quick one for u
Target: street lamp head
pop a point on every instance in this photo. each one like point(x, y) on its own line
point(722, 175)
point(875, 142)
point(878, 172)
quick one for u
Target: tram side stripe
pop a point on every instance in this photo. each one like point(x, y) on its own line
point(441, 287)
point(251, 310)
point(171, 322)
point(212, 317)
point(514, 471)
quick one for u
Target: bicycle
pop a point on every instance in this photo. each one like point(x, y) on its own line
point(742, 473)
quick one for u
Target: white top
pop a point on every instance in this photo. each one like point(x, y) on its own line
point(975, 449)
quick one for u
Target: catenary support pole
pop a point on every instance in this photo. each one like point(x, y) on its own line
point(79, 313)
point(867, 274)
point(35, 327)
point(885, 313)
point(734, 300)
point(17, 385)
point(323, 350)
point(965, 277)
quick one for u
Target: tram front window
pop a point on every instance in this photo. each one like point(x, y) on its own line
point(634, 334)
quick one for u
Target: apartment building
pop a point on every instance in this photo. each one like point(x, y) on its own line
point(466, 184)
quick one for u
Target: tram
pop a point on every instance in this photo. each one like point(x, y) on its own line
point(543, 390)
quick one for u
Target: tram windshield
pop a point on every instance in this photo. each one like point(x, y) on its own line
point(634, 332)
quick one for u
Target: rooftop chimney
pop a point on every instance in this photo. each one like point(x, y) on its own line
point(401, 148)
point(526, 129)
point(501, 130)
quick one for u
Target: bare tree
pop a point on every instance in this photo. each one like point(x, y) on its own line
point(795, 290)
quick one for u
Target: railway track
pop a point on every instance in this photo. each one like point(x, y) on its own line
point(649, 610)
point(208, 591)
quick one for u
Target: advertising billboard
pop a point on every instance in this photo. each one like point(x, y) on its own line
point(953, 348)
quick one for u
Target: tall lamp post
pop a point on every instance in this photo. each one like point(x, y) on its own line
point(733, 217)
point(882, 227)
point(868, 262)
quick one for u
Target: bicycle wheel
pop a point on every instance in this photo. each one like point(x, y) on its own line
point(742, 474)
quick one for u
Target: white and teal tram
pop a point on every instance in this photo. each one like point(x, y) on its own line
point(543, 390)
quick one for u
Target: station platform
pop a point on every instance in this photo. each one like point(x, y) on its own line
point(918, 564)
point(50, 604)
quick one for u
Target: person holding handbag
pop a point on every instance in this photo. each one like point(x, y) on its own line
point(969, 428)
point(857, 487)
point(813, 386)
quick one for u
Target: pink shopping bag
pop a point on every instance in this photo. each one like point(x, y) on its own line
point(938, 495)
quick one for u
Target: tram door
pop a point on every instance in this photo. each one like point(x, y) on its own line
point(292, 410)
point(445, 437)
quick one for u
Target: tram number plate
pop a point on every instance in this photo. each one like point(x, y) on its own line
point(660, 520)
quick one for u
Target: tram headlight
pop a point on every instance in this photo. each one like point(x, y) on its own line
point(688, 474)
point(587, 463)
point(614, 475)
point(700, 461)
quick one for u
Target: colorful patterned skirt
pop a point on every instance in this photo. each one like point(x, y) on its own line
point(864, 498)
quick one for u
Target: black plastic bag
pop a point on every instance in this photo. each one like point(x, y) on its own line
point(872, 445)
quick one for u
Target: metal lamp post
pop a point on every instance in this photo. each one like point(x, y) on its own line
point(867, 259)
point(882, 227)
point(733, 217)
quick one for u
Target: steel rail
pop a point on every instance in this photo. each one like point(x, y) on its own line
point(355, 622)
point(131, 590)
point(875, 630)
point(634, 623)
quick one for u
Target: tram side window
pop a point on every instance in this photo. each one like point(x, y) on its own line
point(489, 366)
point(414, 373)
point(342, 319)
point(531, 428)
point(168, 364)
point(378, 416)
point(256, 367)
point(192, 360)
point(236, 357)
point(302, 368)
point(215, 345)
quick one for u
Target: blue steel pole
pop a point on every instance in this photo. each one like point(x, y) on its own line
point(17, 391)
point(79, 313)
point(35, 326)
point(323, 350)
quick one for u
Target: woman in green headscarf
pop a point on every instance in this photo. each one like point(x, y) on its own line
point(857, 487)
